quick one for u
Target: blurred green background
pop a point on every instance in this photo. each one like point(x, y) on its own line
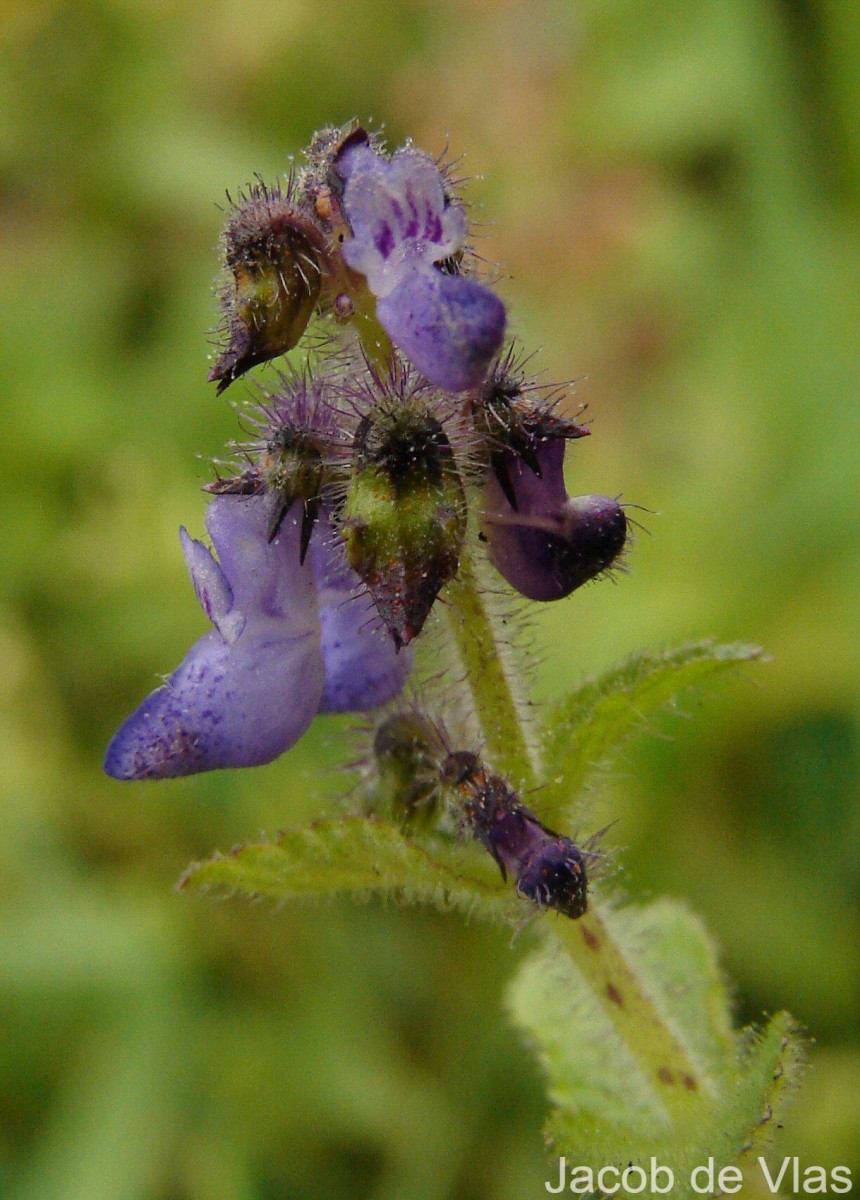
point(673, 187)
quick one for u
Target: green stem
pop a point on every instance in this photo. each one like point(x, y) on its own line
point(375, 342)
point(610, 977)
point(489, 677)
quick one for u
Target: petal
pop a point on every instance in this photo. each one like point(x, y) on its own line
point(248, 690)
point(399, 216)
point(265, 577)
point(226, 705)
point(539, 492)
point(448, 326)
point(363, 669)
point(213, 591)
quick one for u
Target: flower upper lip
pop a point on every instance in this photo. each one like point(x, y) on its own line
point(398, 215)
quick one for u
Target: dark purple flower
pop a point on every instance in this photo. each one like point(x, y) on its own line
point(403, 224)
point(549, 869)
point(548, 544)
point(290, 640)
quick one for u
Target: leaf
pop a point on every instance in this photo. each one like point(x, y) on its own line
point(772, 1061)
point(675, 966)
point(358, 855)
point(605, 1108)
point(583, 731)
point(676, 961)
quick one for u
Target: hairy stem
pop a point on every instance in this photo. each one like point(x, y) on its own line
point(489, 677)
point(611, 978)
point(375, 342)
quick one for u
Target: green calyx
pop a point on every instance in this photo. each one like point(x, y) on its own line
point(405, 758)
point(405, 514)
point(275, 253)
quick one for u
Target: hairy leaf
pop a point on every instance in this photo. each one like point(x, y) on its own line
point(583, 731)
point(358, 855)
point(605, 1106)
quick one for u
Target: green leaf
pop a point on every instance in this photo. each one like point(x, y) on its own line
point(772, 1061)
point(604, 1106)
point(676, 961)
point(593, 1073)
point(583, 731)
point(358, 855)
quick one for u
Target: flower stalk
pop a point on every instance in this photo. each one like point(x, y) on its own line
point(489, 676)
point(612, 980)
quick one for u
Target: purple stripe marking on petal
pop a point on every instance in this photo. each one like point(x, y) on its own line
point(411, 229)
point(432, 226)
point(384, 239)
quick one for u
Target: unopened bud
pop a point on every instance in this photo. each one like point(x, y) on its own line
point(405, 754)
point(275, 252)
point(405, 513)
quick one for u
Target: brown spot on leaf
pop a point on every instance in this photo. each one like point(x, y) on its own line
point(591, 940)
point(614, 995)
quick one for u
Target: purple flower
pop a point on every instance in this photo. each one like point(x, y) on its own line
point(289, 640)
point(249, 688)
point(547, 543)
point(403, 224)
point(363, 668)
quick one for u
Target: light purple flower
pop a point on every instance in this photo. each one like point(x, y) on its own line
point(363, 668)
point(249, 689)
point(450, 327)
point(289, 641)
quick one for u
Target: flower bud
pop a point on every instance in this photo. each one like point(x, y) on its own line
point(548, 868)
point(405, 755)
point(405, 513)
point(546, 544)
point(275, 252)
point(291, 459)
point(518, 418)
